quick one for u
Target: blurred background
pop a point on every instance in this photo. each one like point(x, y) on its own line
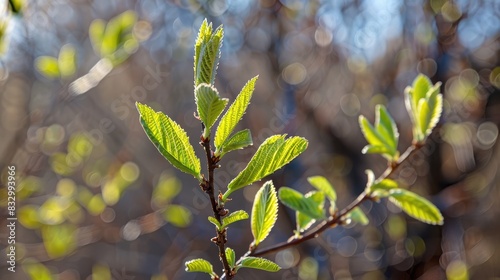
point(95, 200)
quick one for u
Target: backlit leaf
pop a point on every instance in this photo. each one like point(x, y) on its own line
point(264, 212)
point(239, 140)
point(259, 263)
point(199, 265)
point(233, 115)
point(273, 154)
point(304, 221)
point(322, 184)
point(209, 105)
point(299, 202)
point(207, 53)
point(358, 216)
point(234, 217)
point(170, 139)
point(215, 222)
point(416, 206)
point(231, 257)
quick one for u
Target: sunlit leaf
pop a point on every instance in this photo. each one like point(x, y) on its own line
point(383, 137)
point(199, 265)
point(322, 184)
point(207, 53)
point(170, 139)
point(304, 221)
point(215, 222)
point(233, 115)
point(416, 206)
point(231, 257)
point(209, 105)
point(299, 202)
point(234, 217)
point(273, 154)
point(239, 140)
point(358, 216)
point(264, 212)
point(259, 263)
point(382, 188)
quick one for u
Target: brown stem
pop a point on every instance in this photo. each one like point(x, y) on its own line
point(336, 219)
point(218, 210)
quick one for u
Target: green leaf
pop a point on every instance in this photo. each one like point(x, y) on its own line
point(234, 217)
point(322, 184)
point(231, 257)
point(47, 66)
point(304, 221)
point(273, 154)
point(239, 140)
point(264, 212)
point(170, 139)
point(199, 265)
point(233, 115)
point(67, 61)
point(259, 263)
point(215, 222)
point(416, 206)
point(59, 240)
point(358, 216)
point(207, 53)
point(383, 188)
point(383, 137)
point(209, 105)
point(298, 202)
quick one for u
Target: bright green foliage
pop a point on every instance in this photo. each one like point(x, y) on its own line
point(233, 115)
point(383, 137)
point(28, 216)
point(59, 240)
point(231, 257)
point(234, 217)
point(273, 154)
point(215, 222)
point(416, 206)
point(239, 140)
point(207, 53)
point(322, 184)
point(424, 103)
point(264, 212)
point(62, 67)
point(304, 221)
point(259, 263)
point(200, 265)
point(358, 216)
point(170, 139)
point(115, 40)
point(298, 202)
point(382, 188)
point(37, 271)
point(209, 105)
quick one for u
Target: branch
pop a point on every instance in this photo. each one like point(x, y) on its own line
point(218, 210)
point(338, 218)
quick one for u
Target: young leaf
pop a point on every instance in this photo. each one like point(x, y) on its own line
point(215, 222)
point(416, 206)
point(234, 217)
point(358, 216)
point(322, 184)
point(304, 221)
point(259, 263)
point(239, 140)
point(298, 202)
point(231, 257)
point(170, 139)
point(199, 265)
point(424, 104)
point(233, 115)
point(207, 53)
point(209, 105)
point(264, 212)
point(383, 188)
point(273, 154)
point(383, 138)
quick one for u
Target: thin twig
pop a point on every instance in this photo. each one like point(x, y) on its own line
point(218, 210)
point(337, 218)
